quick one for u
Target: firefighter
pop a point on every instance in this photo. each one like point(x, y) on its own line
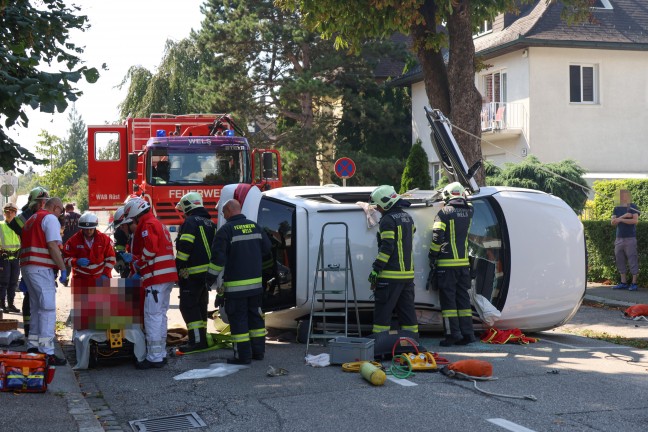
point(89, 253)
point(449, 262)
point(36, 201)
point(241, 250)
point(153, 259)
point(193, 248)
point(392, 277)
point(9, 267)
point(40, 256)
point(122, 237)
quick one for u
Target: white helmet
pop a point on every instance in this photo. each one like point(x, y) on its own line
point(136, 207)
point(118, 217)
point(384, 196)
point(88, 221)
point(453, 190)
point(190, 201)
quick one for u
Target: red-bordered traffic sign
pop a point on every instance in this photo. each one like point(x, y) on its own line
point(344, 168)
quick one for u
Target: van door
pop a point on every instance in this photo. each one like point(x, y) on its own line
point(107, 166)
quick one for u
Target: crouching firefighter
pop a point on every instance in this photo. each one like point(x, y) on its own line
point(193, 254)
point(449, 262)
point(392, 277)
point(241, 250)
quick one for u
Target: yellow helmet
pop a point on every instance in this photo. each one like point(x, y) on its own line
point(190, 201)
point(453, 190)
point(384, 196)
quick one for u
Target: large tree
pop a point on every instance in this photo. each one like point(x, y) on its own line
point(432, 25)
point(75, 146)
point(34, 35)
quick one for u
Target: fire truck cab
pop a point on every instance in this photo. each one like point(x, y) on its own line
point(163, 157)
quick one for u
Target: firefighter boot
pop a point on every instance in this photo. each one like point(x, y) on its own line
point(12, 309)
point(195, 344)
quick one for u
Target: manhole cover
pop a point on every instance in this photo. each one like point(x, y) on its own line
point(170, 423)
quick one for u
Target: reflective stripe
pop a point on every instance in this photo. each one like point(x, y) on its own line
point(379, 328)
point(387, 235)
point(399, 246)
point(161, 258)
point(453, 239)
point(243, 282)
point(196, 325)
point(187, 237)
point(36, 260)
point(463, 262)
point(393, 274)
point(35, 250)
point(241, 288)
point(412, 328)
point(182, 256)
point(197, 269)
point(245, 237)
point(258, 333)
point(439, 225)
point(243, 337)
point(205, 242)
point(382, 257)
point(147, 254)
point(449, 313)
point(435, 247)
point(464, 312)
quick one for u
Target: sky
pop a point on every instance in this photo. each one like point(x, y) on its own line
point(123, 33)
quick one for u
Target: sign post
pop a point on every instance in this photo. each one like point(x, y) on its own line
point(344, 169)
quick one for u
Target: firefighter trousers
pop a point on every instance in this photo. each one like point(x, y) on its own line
point(194, 298)
point(454, 283)
point(390, 297)
point(247, 326)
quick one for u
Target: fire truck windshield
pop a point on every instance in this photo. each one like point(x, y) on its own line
point(192, 166)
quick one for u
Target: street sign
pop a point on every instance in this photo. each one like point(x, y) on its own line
point(6, 190)
point(344, 168)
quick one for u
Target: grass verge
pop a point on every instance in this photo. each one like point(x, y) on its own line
point(619, 340)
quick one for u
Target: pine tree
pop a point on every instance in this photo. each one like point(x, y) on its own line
point(75, 146)
point(417, 170)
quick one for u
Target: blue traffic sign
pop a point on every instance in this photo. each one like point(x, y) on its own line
point(345, 168)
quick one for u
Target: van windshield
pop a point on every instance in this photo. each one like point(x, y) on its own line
point(169, 166)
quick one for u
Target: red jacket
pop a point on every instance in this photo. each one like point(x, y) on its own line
point(101, 256)
point(34, 249)
point(153, 252)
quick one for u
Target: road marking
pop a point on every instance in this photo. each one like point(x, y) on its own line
point(403, 382)
point(509, 425)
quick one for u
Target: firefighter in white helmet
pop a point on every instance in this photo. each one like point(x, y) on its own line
point(193, 254)
point(122, 243)
point(153, 259)
point(89, 253)
point(449, 256)
point(392, 275)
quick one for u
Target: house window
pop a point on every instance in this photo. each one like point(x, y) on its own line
point(602, 4)
point(582, 84)
point(485, 27)
point(437, 172)
point(495, 87)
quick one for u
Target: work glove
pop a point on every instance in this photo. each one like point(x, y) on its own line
point(136, 276)
point(63, 278)
point(373, 277)
point(82, 262)
point(127, 257)
point(219, 301)
point(209, 281)
point(22, 286)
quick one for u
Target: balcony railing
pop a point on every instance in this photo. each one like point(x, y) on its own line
point(503, 116)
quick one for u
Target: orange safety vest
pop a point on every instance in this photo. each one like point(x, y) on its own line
point(34, 246)
point(101, 256)
point(153, 252)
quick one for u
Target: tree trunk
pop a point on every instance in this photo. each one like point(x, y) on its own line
point(465, 99)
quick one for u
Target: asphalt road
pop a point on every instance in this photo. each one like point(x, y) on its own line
point(579, 384)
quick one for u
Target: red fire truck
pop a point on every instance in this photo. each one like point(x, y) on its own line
point(163, 157)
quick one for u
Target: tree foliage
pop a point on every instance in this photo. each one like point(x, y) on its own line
point(60, 174)
point(33, 35)
point(563, 179)
point(432, 25)
point(417, 171)
point(75, 146)
point(606, 193)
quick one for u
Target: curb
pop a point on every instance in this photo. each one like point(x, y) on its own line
point(607, 301)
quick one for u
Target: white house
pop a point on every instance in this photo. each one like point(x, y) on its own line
point(561, 92)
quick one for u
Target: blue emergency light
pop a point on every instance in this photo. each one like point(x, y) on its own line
point(229, 132)
point(160, 133)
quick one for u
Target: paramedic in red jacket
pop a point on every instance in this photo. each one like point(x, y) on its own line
point(89, 253)
point(40, 257)
point(154, 261)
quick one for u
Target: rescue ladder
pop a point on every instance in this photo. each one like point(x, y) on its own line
point(319, 293)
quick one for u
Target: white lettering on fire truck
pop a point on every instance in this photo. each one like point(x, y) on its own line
point(207, 193)
point(198, 141)
point(108, 196)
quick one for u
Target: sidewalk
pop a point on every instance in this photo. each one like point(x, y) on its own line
point(605, 294)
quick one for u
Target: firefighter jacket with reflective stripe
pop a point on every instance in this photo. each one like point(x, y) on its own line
point(34, 246)
point(121, 240)
point(243, 249)
point(101, 256)
point(193, 246)
point(450, 234)
point(395, 260)
point(9, 242)
point(18, 222)
point(153, 252)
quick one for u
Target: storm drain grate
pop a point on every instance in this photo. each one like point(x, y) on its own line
point(170, 423)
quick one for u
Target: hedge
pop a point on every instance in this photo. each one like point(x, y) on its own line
point(600, 236)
